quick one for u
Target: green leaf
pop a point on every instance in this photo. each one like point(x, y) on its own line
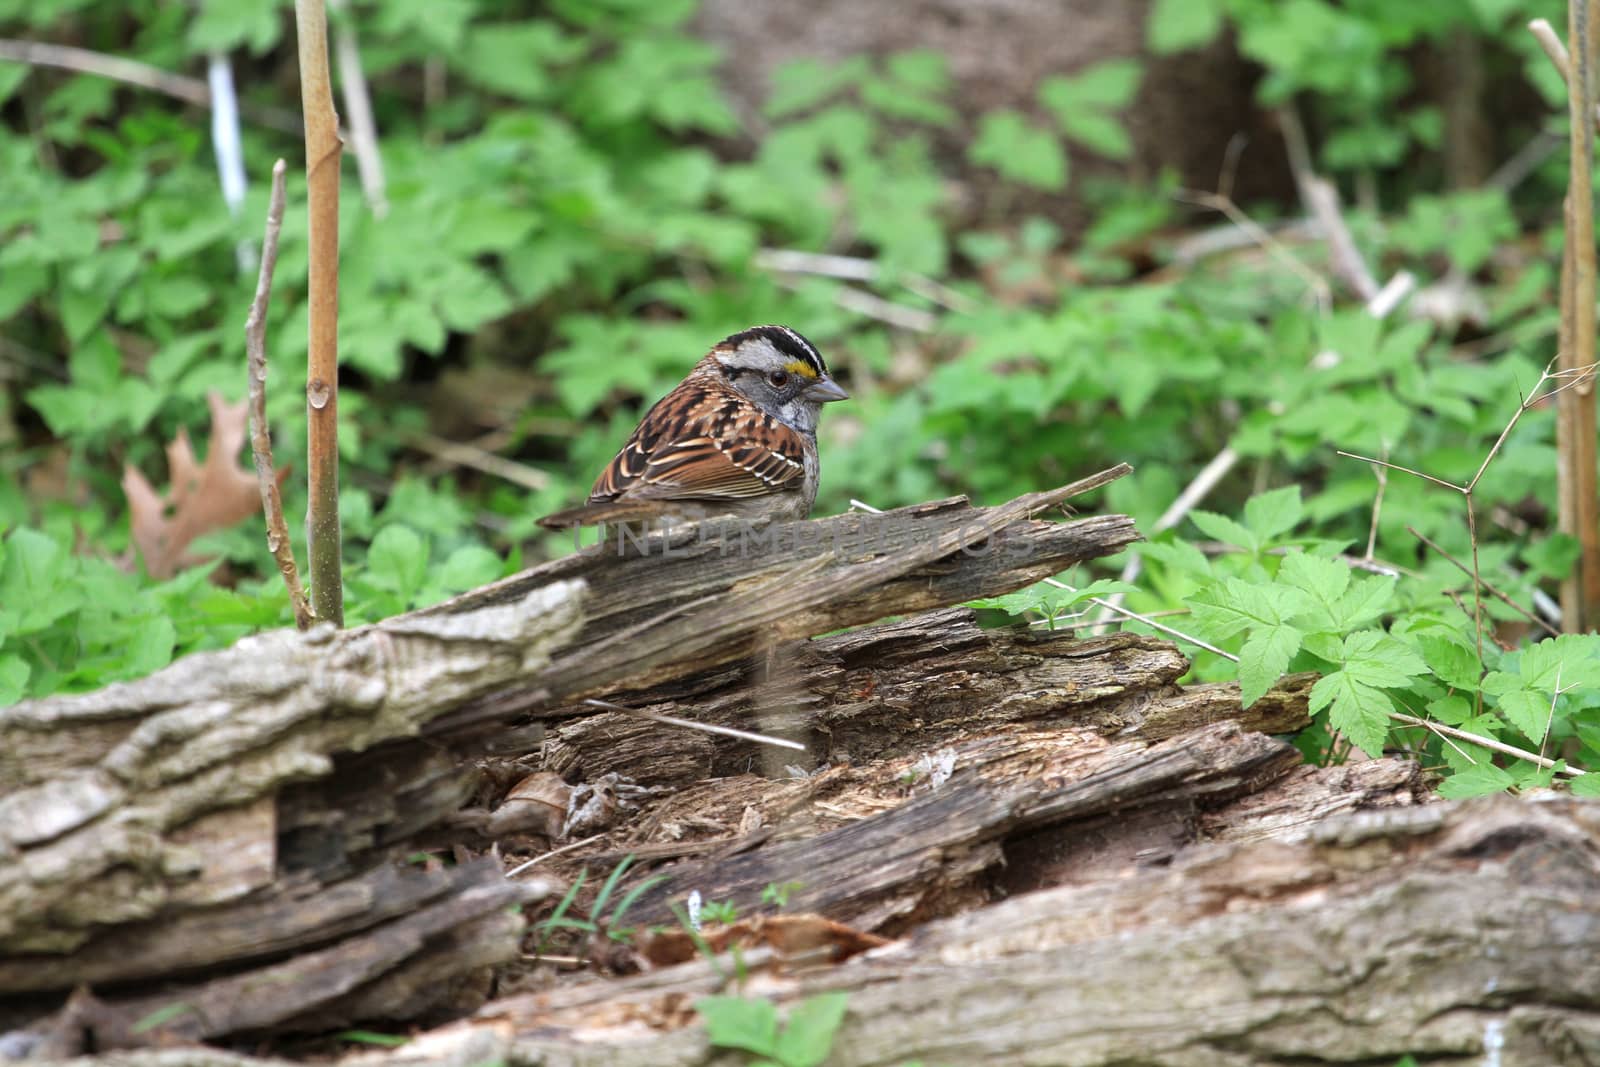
point(1528, 711)
point(1376, 658)
point(1105, 86)
point(14, 672)
point(746, 1023)
point(1586, 785)
point(1554, 556)
point(1232, 605)
point(398, 560)
point(1451, 658)
point(1174, 25)
point(1264, 658)
point(1571, 661)
point(1451, 710)
point(36, 585)
point(1270, 514)
point(812, 1026)
point(1476, 781)
point(467, 568)
point(1323, 580)
point(1221, 528)
point(150, 645)
point(372, 1037)
point(1364, 601)
point(1358, 710)
point(1100, 133)
point(1019, 150)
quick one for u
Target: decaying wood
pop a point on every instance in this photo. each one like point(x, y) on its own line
point(220, 824)
point(691, 601)
point(1456, 933)
point(93, 830)
point(907, 687)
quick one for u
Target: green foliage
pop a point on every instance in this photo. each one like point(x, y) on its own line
point(577, 216)
point(598, 921)
point(777, 893)
point(751, 1025)
point(719, 912)
point(1352, 62)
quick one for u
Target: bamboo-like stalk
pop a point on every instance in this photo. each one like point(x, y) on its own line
point(323, 149)
point(1579, 491)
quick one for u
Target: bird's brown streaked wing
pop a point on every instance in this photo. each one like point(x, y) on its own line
point(675, 453)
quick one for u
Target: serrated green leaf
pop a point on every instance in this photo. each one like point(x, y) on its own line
point(1452, 660)
point(746, 1023)
point(808, 1036)
point(1378, 659)
point(1585, 785)
point(1324, 581)
point(1451, 710)
point(36, 581)
point(1476, 781)
point(1221, 528)
point(1571, 661)
point(1264, 658)
point(1269, 514)
point(1232, 605)
point(1358, 710)
point(1528, 710)
point(1365, 601)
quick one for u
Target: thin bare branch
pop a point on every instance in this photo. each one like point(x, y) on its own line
point(461, 454)
point(519, 868)
point(255, 343)
point(358, 102)
point(1382, 474)
point(1118, 609)
point(858, 269)
point(132, 72)
point(1393, 293)
point(1486, 742)
point(1396, 467)
point(1491, 590)
point(703, 727)
point(1550, 41)
point(1318, 285)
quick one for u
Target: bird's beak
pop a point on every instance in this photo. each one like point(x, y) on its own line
point(825, 389)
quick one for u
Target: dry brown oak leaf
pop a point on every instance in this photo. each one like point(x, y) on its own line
point(203, 497)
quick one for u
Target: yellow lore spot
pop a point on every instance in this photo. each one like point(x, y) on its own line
point(802, 368)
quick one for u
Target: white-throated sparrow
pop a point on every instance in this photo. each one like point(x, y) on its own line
point(737, 437)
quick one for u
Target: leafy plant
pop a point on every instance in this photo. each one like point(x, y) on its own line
point(597, 922)
point(751, 1025)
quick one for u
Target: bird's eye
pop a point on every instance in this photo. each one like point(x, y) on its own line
point(778, 378)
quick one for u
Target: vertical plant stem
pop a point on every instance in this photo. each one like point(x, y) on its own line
point(323, 149)
point(255, 344)
point(1579, 493)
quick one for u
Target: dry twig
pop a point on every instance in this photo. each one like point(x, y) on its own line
point(132, 72)
point(1569, 379)
point(255, 344)
point(358, 101)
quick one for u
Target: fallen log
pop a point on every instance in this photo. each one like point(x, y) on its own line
point(210, 825)
point(1454, 932)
